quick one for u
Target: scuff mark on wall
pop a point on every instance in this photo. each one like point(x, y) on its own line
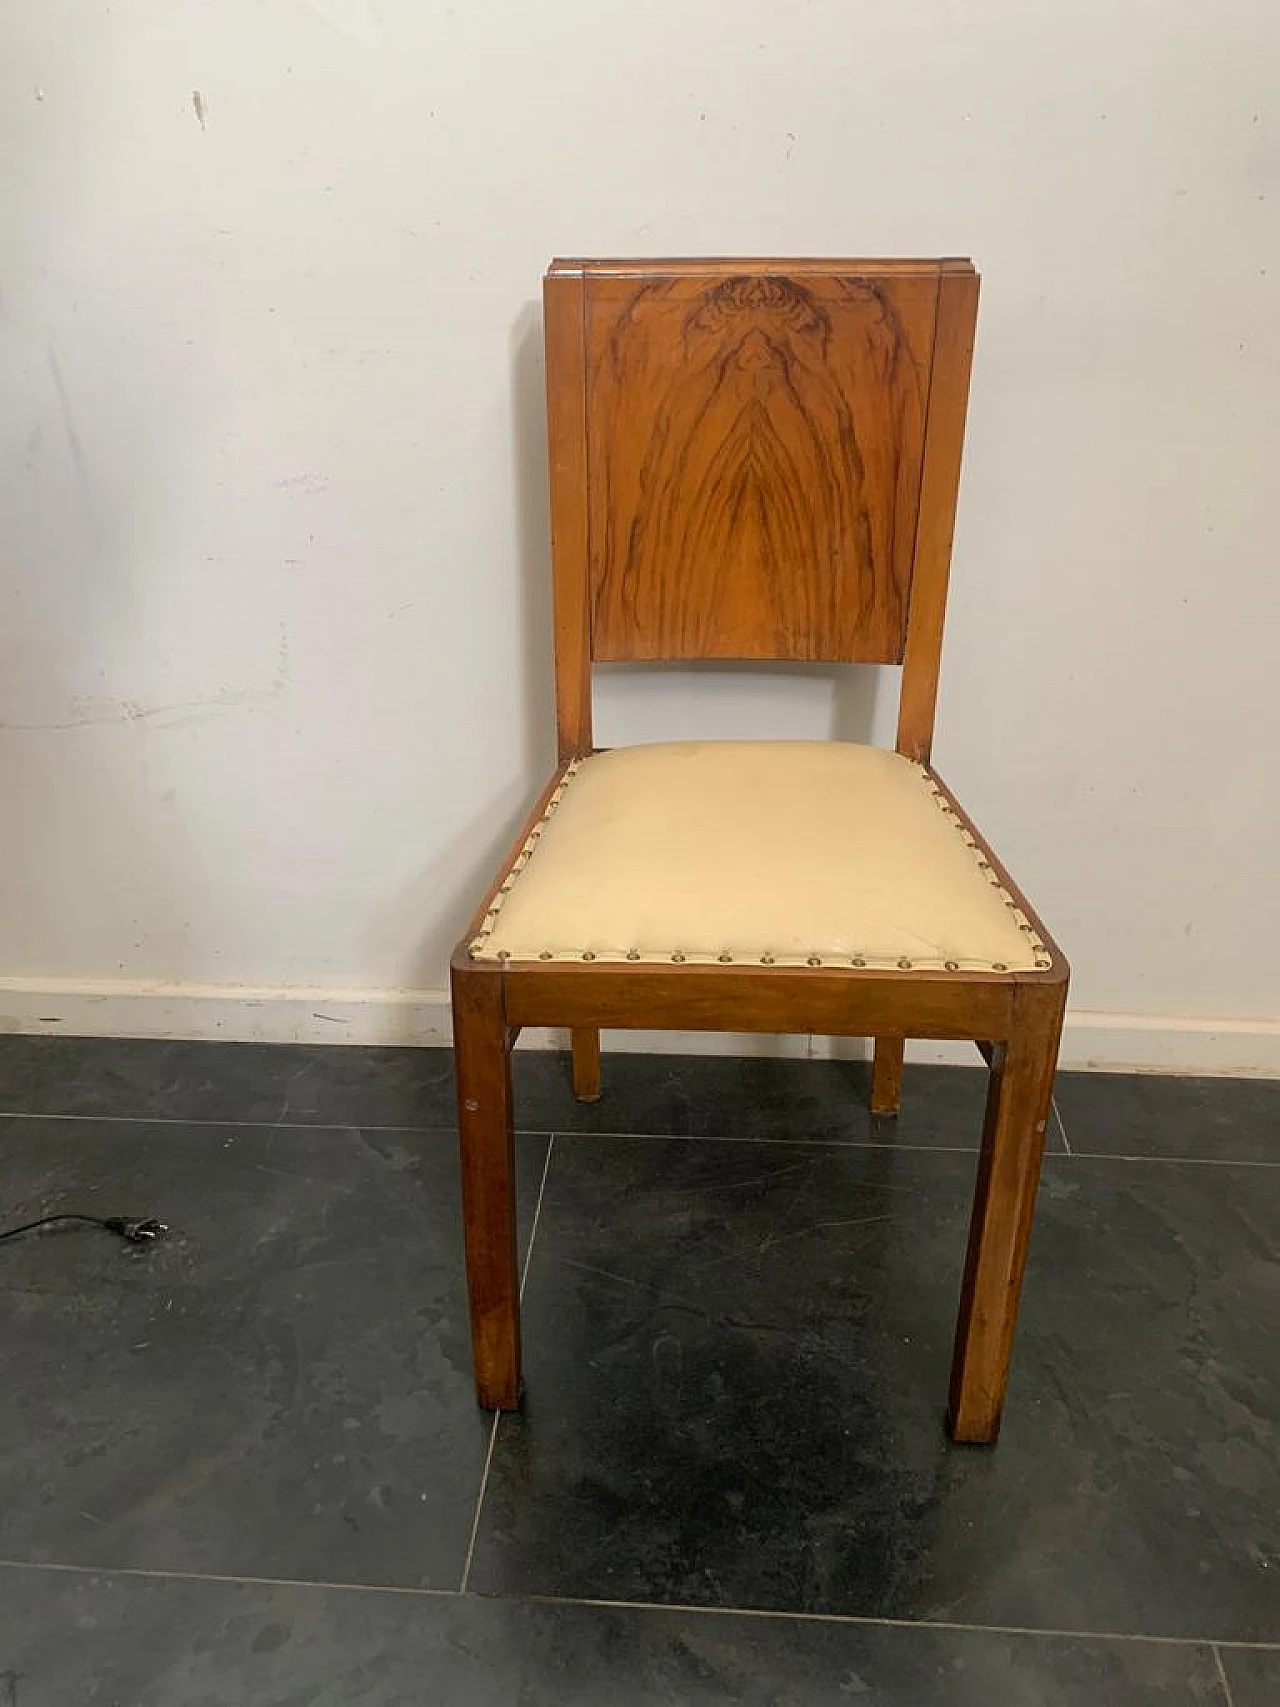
point(73, 438)
point(199, 106)
point(302, 485)
point(355, 18)
point(102, 710)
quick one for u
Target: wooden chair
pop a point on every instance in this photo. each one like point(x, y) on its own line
point(758, 460)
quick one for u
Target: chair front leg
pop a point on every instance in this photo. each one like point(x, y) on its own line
point(1018, 1101)
point(482, 1058)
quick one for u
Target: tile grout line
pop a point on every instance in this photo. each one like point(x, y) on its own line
point(537, 1213)
point(1045, 1632)
point(1174, 1161)
point(228, 1120)
point(790, 1143)
point(521, 1131)
point(475, 1519)
point(227, 1579)
point(497, 1417)
point(1062, 1126)
point(1229, 1699)
point(419, 1592)
point(664, 1137)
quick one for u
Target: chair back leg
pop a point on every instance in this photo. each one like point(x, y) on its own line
point(886, 1075)
point(586, 1064)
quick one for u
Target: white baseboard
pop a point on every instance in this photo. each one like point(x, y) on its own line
point(1151, 1043)
point(243, 1013)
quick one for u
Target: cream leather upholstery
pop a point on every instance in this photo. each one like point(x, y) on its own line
point(789, 853)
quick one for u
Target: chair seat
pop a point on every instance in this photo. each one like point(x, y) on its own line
point(787, 853)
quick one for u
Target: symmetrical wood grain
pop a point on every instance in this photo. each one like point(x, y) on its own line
point(754, 445)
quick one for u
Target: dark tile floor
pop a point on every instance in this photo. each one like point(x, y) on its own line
point(245, 1466)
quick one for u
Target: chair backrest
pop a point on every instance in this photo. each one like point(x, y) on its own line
point(755, 460)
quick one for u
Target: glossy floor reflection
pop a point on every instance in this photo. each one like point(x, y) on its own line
point(246, 1466)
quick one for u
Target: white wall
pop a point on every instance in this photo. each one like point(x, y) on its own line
point(273, 672)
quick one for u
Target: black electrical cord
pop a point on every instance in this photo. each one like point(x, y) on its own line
point(138, 1231)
